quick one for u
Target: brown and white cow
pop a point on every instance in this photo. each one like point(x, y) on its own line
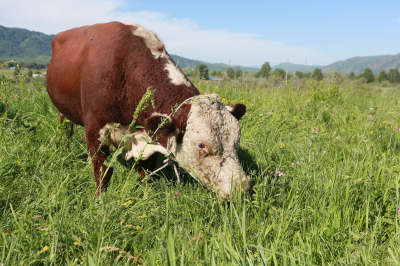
point(96, 78)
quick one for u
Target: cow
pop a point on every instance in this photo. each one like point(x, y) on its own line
point(96, 78)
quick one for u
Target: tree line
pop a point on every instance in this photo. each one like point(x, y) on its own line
point(26, 65)
point(202, 72)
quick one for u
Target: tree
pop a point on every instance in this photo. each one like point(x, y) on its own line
point(264, 71)
point(351, 76)
point(202, 71)
point(279, 72)
point(317, 74)
point(368, 75)
point(32, 65)
point(230, 72)
point(382, 76)
point(299, 74)
point(393, 75)
point(238, 72)
point(30, 73)
point(213, 73)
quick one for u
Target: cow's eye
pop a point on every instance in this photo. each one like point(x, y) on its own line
point(200, 145)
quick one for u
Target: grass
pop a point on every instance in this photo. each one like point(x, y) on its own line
point(337, 205)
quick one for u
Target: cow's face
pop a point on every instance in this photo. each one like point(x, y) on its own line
point(207, 147)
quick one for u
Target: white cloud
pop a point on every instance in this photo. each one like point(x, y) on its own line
point(183, 37)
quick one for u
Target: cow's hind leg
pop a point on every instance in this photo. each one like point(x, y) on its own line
point(98, 154)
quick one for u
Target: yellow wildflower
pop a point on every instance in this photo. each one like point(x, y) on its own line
point(76, 244)
point(138, 227)
point(281, 145)
point(45, 248)
point(129, 202)
point(143, 216)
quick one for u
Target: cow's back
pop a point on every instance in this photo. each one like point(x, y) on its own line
point(78, 76)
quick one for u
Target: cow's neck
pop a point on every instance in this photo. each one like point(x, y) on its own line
point(165, 104)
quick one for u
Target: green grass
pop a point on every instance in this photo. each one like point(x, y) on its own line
point(337, 206)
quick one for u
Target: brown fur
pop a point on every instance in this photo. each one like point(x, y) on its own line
point(175, 127)
point(99, 73)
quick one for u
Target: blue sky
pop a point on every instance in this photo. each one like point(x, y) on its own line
point(243, 32)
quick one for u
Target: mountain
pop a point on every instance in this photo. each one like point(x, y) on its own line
point(184, 63)
point(25, 46)
point(296, 67)
point(31, 46)
point(359, 64)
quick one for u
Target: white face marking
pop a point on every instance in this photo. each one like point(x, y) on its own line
point(175, 74)
point(151, 40)
point(215, 164)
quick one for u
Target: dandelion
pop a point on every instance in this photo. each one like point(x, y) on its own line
point(279, 173)
point(176, 193)
point(129, 202)
point(130, 225)
point(76, 244)
point(143, 216)
point(138, 227)
point(45, 248)
point(281, 145)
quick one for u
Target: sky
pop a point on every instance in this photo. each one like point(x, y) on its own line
point(246, 33)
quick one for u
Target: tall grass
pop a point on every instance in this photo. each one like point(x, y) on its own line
point(336, 143)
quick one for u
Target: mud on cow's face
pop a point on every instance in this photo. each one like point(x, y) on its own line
point(208, 150)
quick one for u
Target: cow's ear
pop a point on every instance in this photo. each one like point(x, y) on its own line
point(153, 123)
point(238, 110)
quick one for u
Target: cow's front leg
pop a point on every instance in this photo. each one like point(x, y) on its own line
point(148, 165)
point(99, 154)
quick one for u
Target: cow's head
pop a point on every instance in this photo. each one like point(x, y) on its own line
point(204, 138)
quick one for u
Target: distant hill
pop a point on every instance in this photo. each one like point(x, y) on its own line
point(24, 45)
point(31, 46)
point(296, 67)
point(359, 64)
point(184, 63)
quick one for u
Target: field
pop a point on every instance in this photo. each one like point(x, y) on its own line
point(336, 142)
point(10, 72)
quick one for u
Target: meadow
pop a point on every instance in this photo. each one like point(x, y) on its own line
point(323, 158)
